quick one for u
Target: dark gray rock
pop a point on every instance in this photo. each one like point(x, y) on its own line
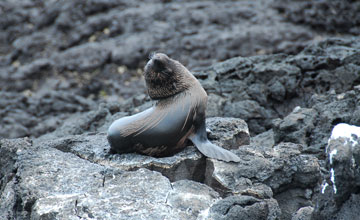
point(76, 47)
point(82, 58)
point(228, 133)
point(60, 60)
point(97, 120)
point(350, 209)
point(188, 164)
point(215, 105)
point(295, 127)
point(278, 167)
point(8, 200)
point(244, 207)
point(138, 28)
point(27, 77)
point(259, 89)
point(277, 91)
point(125, 195)
point(303, 213)
point(312, 126)
point(265, 139)
point(247, 110)
point(292, 201)
point(192, 197)
point(343, 157)
point(333, 109)
point(289, 174)
point(335, 16)
point(26, 115)
point(43, 182)
point(10, 150)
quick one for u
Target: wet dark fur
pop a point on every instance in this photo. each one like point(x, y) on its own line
point(165, 77)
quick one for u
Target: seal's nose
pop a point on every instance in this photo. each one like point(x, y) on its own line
point(158, 62)
point(159, 56)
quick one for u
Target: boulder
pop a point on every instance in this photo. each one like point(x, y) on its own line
point(47, 183)
point(282, 173)
point(244, 207)
point(342, 182)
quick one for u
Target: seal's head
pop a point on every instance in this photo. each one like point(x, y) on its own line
point(166, 77)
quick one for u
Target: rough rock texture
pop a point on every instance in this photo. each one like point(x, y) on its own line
point(253, 88)
point(96, 49)
point(335, 16)
point(52, 184)
point(76, 177)
point(129, 30)
point(228, 133)
point(341, 186)
point(188, 164)
point(312, 126)
point(303, 213)
point(290, 175)
point(64, 173)
point(192, 197)
point(244, 207)
point(68, 69)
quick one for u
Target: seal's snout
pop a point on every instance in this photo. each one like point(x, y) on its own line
point(157, 62)
point(159, 57)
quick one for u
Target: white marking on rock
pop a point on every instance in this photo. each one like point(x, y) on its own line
point(204, 214)
point(190, 196)
point(296, 109)
point(332, 178)
point(345, 131)
point(353, 162)
point(331, 155)
point(323, 188)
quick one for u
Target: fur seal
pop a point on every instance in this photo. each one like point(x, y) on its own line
point(177, 116)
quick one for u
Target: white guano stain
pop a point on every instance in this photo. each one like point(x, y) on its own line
point(323, 188)
point(349, 133)
point(345, 131)
point(332, 178)
point(331, 155)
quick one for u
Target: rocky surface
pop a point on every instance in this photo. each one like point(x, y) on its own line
point(265, 173)
point(96, 49)
point(260, 89)
point(68, 69)
point(332, 16)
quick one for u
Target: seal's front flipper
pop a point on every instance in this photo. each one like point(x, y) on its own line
point(211, 150)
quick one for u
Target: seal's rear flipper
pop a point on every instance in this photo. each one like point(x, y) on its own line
point(211, 150)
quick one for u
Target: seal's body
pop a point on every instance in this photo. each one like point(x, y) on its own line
point(178, 115)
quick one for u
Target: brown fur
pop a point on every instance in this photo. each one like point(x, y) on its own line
point(178, 94)
point(168, 95)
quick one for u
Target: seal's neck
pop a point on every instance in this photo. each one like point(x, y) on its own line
point(166, 91)
point(165, 87)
